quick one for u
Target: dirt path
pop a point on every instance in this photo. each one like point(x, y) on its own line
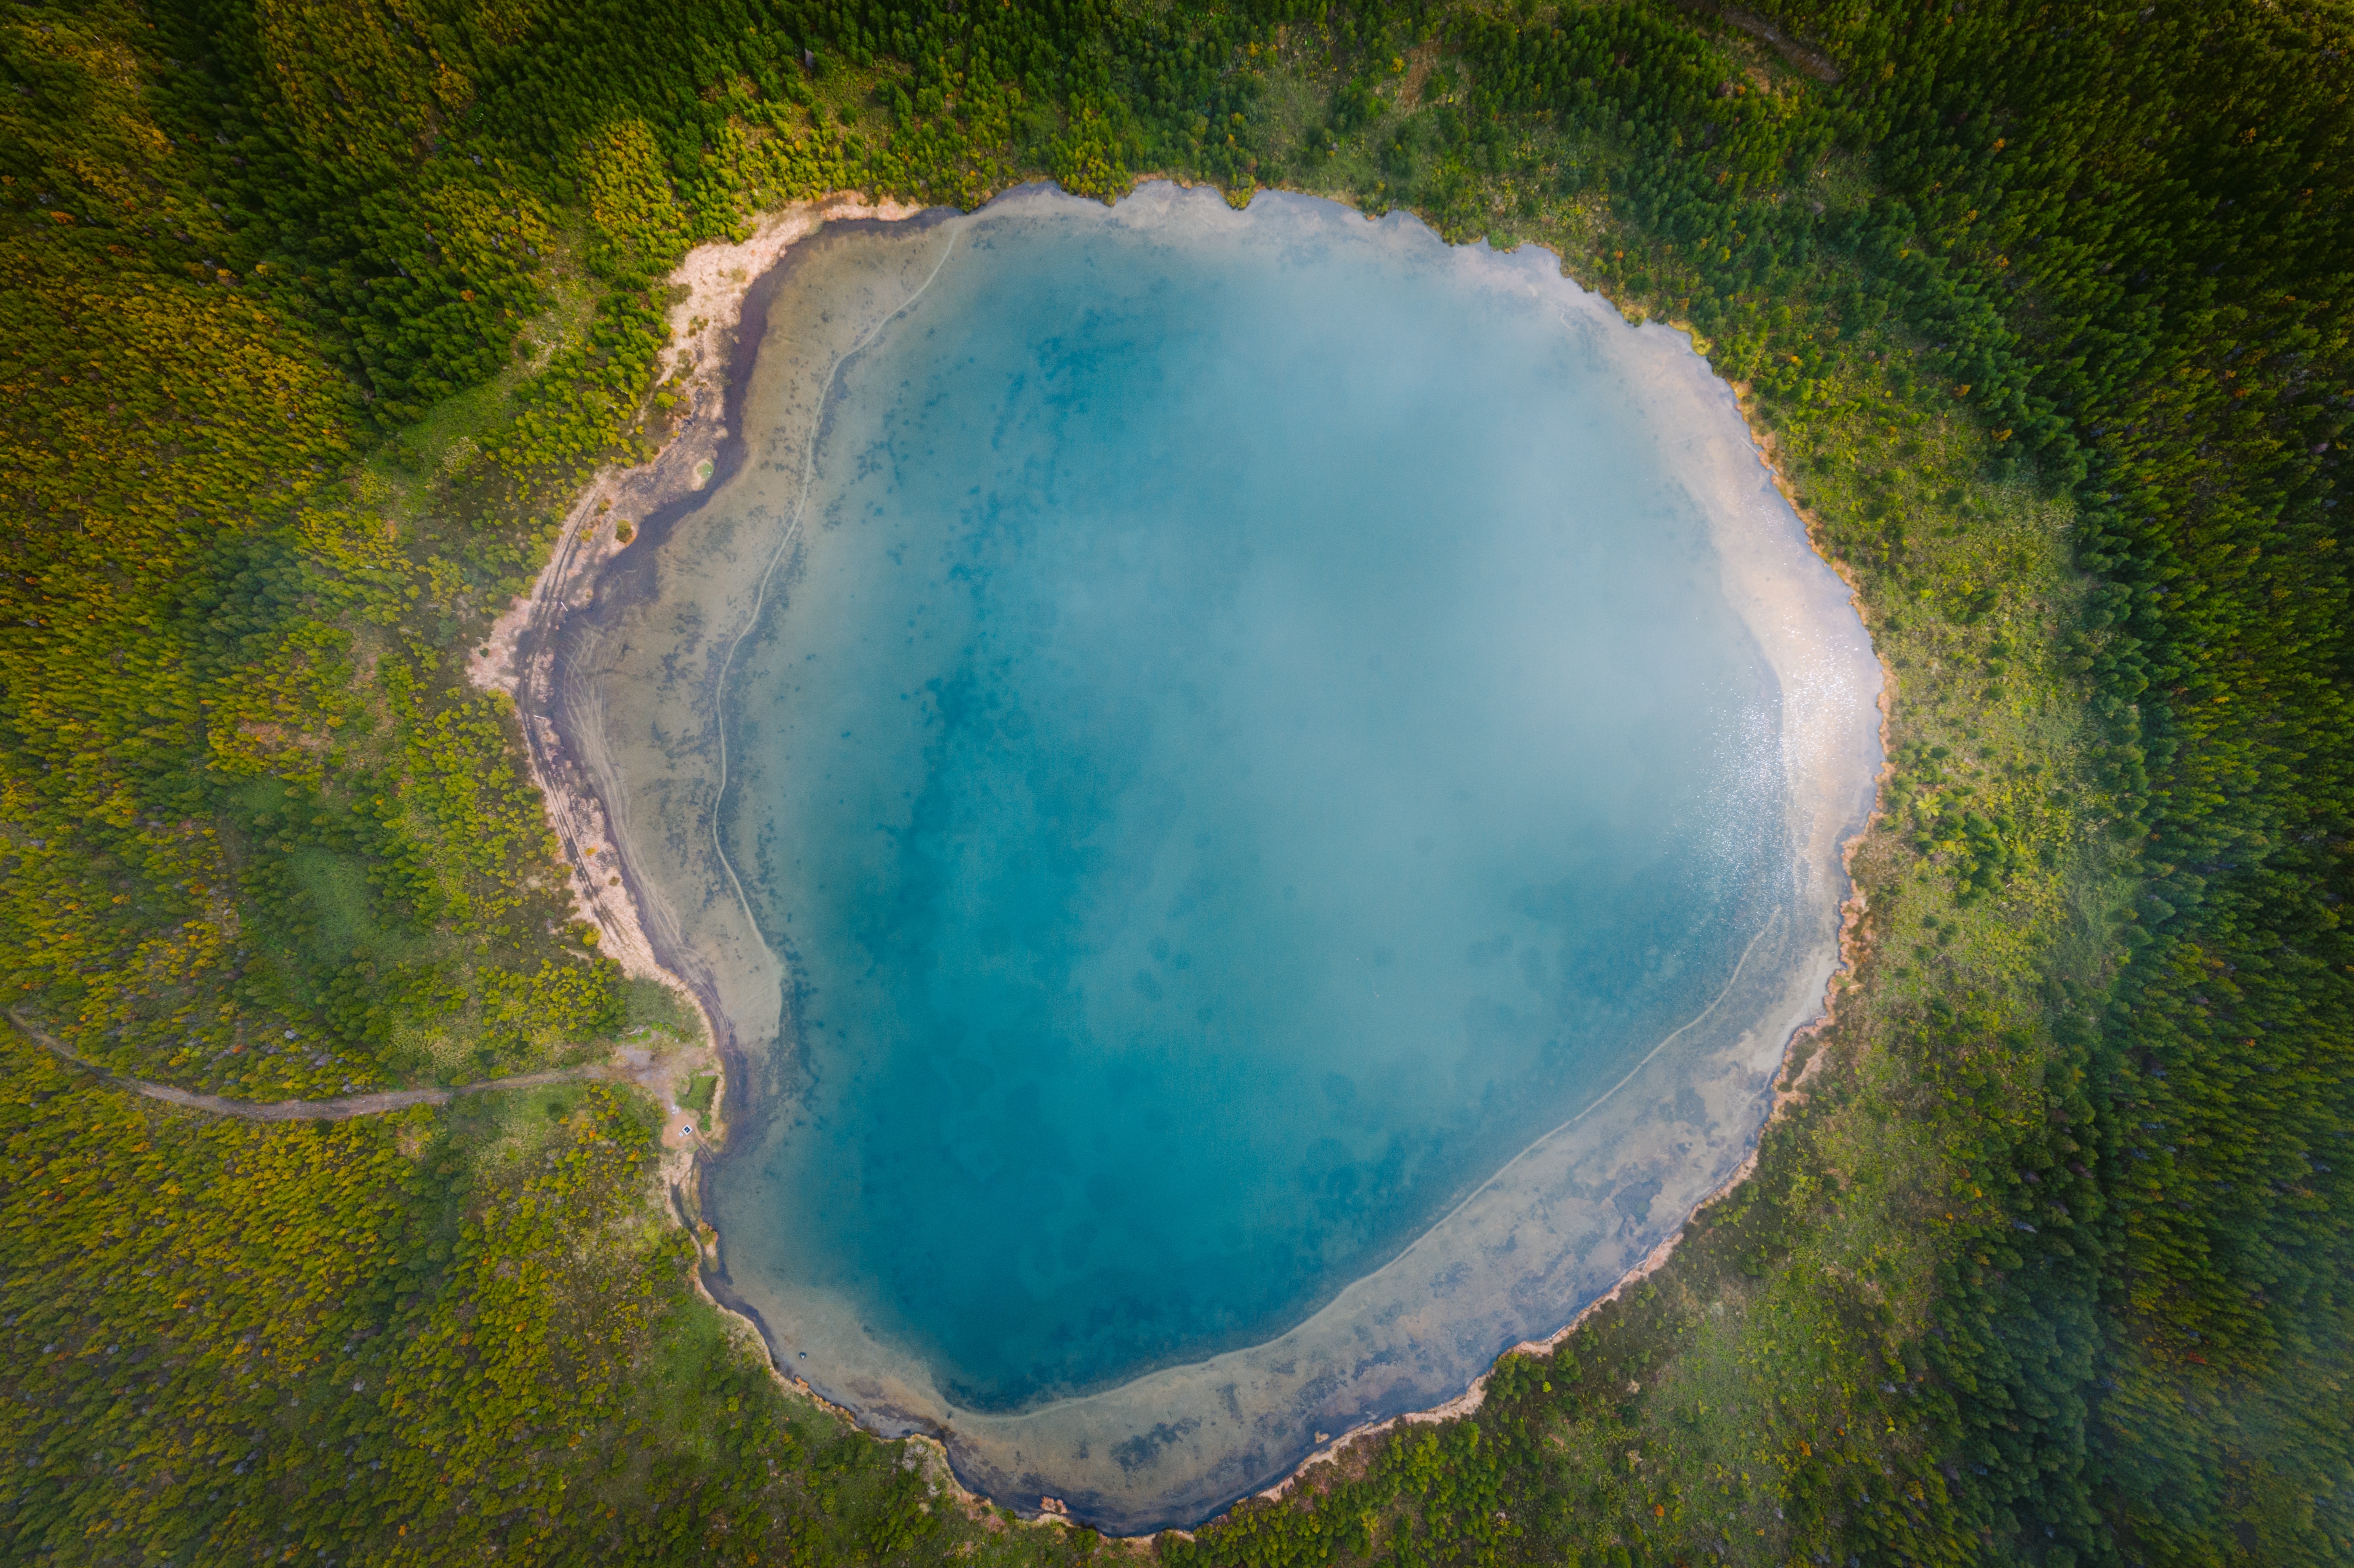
point(1811, 60)
point(341, 1109)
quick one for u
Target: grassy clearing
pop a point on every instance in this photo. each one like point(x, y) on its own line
point(656, 1009)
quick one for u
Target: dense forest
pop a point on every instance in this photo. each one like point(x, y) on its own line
point(318, 314)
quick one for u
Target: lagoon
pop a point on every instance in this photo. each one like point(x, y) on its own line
point(1260, 797)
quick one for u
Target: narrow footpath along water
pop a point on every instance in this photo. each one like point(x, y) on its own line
point(1265, 794)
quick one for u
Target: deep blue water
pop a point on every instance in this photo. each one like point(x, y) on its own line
point(1253, 737)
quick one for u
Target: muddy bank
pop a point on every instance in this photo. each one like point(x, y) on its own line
point(715, 329)
point(604, 556)
point(645, 815)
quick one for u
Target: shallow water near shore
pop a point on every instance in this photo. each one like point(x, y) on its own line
point(1260, 797)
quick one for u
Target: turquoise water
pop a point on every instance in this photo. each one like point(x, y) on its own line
point(1249, 733)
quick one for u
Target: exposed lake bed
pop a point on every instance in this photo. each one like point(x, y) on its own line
point(1260, 798)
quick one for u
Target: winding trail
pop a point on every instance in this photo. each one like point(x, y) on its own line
point(341, 1109)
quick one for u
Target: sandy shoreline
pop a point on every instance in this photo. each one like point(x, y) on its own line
point(518, 656)
point(706, 363)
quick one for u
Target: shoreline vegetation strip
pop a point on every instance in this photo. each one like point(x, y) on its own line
point(318, 316)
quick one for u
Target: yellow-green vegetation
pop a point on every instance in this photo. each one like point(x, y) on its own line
point(317, 316)
point(405, 1338)
point(696, 1095)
